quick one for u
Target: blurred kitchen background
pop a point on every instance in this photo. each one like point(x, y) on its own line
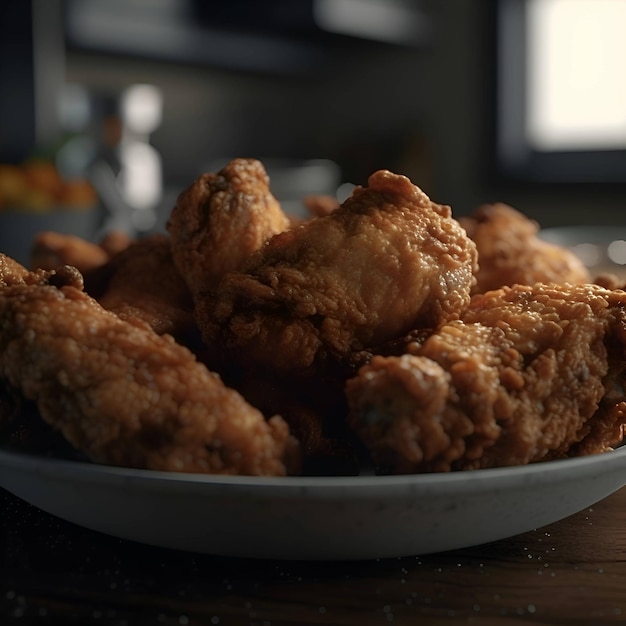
point(521, 101)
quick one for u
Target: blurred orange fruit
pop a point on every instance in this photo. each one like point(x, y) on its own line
point(77, 194)
point(43, 175)
point(36, 186)
point(12, 185)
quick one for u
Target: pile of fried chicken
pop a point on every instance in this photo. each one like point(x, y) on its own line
point(377, 335)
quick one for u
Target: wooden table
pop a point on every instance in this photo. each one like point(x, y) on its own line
point(571, 572)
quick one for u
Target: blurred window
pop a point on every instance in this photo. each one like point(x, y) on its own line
point(576, 77)
point(560, 91)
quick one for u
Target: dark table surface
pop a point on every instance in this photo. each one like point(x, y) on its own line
point(571, 572)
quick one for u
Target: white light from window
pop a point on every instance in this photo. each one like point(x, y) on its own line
point(617, 251)
point(575, 74)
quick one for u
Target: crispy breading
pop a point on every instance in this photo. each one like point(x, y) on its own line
point(511, 252)
point(142, 283)
point(220, 220)
point(527, 374)
point(383, 263)
point(11, 272)
point(126, 396)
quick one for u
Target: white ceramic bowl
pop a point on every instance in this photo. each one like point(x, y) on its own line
point(361, 517)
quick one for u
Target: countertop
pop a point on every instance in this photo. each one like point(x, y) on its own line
point(570, 572)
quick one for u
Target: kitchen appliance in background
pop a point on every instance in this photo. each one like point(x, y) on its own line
point(141, 176)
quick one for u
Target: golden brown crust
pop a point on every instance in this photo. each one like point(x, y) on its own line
point(386, 291)
point(142, 283)
point(221, 219)
point(522, 377)
point(387, 261)
point(511, 252)
point(126, 396)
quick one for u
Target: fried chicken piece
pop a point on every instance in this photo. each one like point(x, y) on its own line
point(126, 396)
point(11, 272)
point(386, 261)
point(220, 220)
point(51, 250)
point(115, 241)
point(527, 374)
point(511, 252)
point(20, 424)
point(319, 205)
point(142, 283)
point(610, 281)
point(21, 428)
point(309, 302)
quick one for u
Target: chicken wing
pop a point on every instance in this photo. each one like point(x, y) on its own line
point(51, 250)
point(527, 374)
point(220, 220)
point(141, 282)
point(510, 251)
point(383, 263)
point(126, 396)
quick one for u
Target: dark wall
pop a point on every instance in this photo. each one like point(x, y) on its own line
point(423, 111)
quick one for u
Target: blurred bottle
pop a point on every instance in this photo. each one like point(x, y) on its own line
point(141, 174)
point(110, 145)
